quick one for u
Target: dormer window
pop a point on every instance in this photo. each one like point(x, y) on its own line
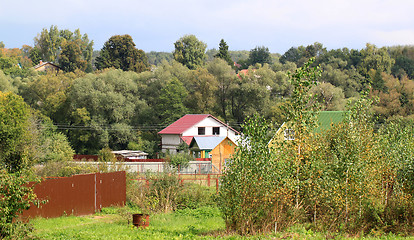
point(216, 130)
point(201, 131)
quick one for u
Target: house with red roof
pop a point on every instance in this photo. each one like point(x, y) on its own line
point(191, 125)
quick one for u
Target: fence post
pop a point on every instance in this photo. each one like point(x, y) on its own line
point(217, 185)
point(208, 180)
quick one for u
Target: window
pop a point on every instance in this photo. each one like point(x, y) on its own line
point(216, 130)
point(289, 134)
point(201, 131)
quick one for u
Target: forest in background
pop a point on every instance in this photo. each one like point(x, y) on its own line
point(120, 97)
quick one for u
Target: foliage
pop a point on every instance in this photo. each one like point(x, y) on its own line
point(53, 44)
point(70, 58)
point(190, 51)
point(157, 58)
point(48, 93)
point(51, 145)
point(14, 134)
point(329, 97)
point(259, 55)
point(223, 52)
point(103, 108)
point(15, 196)
point(119, 52)
point(248, 197)
point(225, 77)
point(262, 186)
point(64, 169)
point(158, 194)
point(6, 83)
point(250, 93)
point(193, 196)
point(171, 101)
point(179, 160)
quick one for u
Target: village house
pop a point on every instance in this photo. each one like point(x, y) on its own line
point(189, 126)
point(45, 66)
point(325, 119)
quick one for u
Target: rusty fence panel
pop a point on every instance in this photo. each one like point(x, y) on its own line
point(79, 194)
point(110, 189)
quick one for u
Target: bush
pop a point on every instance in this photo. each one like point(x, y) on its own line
point(15, 196)
point(159, 195)
point(165, 193)
point(194, 196)
point(63, 169)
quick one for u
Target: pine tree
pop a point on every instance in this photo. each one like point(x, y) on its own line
point(224, 52)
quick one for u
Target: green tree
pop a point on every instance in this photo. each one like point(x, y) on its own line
point(376, 59)
point(329, 97)
point(171, 101)
point(6, 83)
point(48, 93)
point(120, 52)
point(35, 55)
point(202, 89)
point(225, 77)
point(103, 107)
point(259, 55)
point(16, 197)
point(250, 93)
point(248, 196)
point(291, 55)
point(70, 57)
point(301, 117)
point(190, 52)
point(48, 42)
point(14, 134)
point(223, 52)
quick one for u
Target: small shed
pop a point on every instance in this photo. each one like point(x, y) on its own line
point(219, 149)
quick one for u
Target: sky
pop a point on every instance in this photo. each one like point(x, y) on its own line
point(244, 24)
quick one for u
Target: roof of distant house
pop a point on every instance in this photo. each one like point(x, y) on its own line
point(187, 139)
point(327, 118)
point(130, 153)
point(186, 122)
point(41, 64)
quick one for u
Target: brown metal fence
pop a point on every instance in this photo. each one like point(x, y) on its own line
point(79, 194)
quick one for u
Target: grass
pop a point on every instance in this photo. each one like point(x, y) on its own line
point(184, 224)
point(201, 223)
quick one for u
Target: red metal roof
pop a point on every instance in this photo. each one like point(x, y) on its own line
point(187, 121)
point(187, 139)
point(184, 123)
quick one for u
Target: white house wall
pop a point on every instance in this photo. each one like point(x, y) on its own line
point(209, 123)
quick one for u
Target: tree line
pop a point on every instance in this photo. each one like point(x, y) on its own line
point(121, 96)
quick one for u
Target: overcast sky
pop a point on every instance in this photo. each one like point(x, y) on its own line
point(244, 24)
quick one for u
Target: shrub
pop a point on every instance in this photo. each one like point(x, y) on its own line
point(15, 196)
point(194, 196)
point(165, 193)
point(63, 169)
